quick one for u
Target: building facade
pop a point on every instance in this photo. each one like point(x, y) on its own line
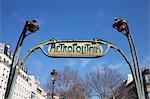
point(146, 80)
point(24, 87)
point(127, 89)
point(37, 91)
point(5, 61)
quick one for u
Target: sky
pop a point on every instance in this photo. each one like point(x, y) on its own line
point(73, 20)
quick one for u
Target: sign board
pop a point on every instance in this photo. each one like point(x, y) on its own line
point(75, 49)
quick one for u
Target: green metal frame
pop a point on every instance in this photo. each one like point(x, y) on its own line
point(122, 26)
point(99, 41)
point(33, 26)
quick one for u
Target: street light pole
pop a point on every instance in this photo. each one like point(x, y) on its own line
point(138, 70)
point(32, 27)
point(54, 75)
point(122, 26)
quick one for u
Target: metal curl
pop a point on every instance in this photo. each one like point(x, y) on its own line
point(44, 52)
point(107, 49)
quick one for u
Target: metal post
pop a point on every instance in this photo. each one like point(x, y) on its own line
point(138, 70)
point(15, 61)
point(29, 26)
point(53, 89)
point(135, 68)
point(53, 74)
point(122, 25)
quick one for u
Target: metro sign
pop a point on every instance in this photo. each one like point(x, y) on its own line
point(75, 49)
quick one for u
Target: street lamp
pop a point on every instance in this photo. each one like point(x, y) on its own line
point(122, 26)
point(32, 27)
point(54, 75)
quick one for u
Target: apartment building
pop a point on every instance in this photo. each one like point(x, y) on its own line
point(22, 88)
point(127, 89)
point(37, 91)
point(5, 61)
point(146, 80)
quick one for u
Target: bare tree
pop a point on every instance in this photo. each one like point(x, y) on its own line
point(103, 82)
point(126, 91)
point(69, 85)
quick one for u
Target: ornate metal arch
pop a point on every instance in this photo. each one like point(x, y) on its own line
point(107, 44)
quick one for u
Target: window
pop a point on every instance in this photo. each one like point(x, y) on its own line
point(0, 58)
point(4, 60)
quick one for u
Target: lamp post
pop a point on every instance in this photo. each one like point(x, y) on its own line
point(32, 27)
point(54, 75)
point(122, 26)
